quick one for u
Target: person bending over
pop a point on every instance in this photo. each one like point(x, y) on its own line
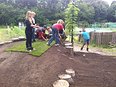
point(86, 38)
point(55, 33)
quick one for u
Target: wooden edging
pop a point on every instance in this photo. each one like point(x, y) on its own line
point(20, 38)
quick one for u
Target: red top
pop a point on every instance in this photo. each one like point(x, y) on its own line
point(58, 26)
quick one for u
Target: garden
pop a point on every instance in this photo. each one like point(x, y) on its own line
point(65, 65)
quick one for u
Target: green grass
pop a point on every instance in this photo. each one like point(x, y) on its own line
point(40, 47)
point(105, 48)
point(8, 34)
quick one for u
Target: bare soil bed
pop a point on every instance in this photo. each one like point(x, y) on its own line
point(23, 70)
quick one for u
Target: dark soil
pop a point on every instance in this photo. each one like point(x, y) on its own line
point(23, 70)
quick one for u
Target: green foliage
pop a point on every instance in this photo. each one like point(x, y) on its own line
point(86, 14)
point(112, 12)
point(48, 11)
point(6, 14)
point(71, 15)
point(40, 47)
point(100, 8)
point(13, 11)
point(8, 34)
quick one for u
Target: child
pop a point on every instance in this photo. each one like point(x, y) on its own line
point(48, 32)
point(86, 38)
point(41, 34)
point(28, 30)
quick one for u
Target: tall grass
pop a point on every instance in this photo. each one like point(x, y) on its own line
point(8, 34)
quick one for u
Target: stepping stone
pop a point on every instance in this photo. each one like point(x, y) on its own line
point(61, 83)
point(70, 72)
point(66, 77)
point(68, 44)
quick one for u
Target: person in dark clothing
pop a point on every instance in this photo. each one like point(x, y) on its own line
point(28, 30)
point(33, 30)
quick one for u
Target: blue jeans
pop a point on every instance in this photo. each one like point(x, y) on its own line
point(54, 36)
point(33, 34)
point(86, 41)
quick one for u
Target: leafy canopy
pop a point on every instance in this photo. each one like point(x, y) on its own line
point(71, 15)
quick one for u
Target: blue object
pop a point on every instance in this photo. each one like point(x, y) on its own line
point(54, 36)
point(85, 35)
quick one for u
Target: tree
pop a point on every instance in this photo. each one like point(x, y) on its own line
point(3, 1)
point(112, 12)
point(7, 15)
point(71, 15)
point(100, 8)
point(49, 11)
point(86, 13)
point(26, 3)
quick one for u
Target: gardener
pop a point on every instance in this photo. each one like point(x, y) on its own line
point(55, 33)
point(86, 38)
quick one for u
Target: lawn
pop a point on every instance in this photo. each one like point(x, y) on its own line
point(8, 34)
point(40, 47)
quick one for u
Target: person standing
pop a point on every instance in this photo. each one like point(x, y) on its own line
point(86, 38)
point(28, 30)
point(33, 30)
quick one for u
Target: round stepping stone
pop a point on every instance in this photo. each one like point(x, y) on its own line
point(70, 72)
point(64, 76)
point(61, 83)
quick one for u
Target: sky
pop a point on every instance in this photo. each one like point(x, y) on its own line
point(109, 1)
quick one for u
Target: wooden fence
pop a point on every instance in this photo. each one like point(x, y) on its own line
point(103, 38)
